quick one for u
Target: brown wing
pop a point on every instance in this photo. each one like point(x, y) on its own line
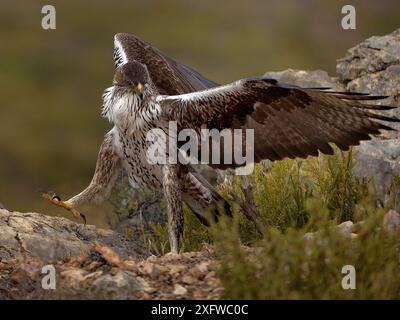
point(170, 76)
point(288, 121)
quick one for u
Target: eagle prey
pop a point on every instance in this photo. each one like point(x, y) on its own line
point(151, 89)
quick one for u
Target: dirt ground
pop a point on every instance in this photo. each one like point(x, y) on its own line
point(103, 274)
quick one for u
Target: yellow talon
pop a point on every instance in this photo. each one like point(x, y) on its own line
point(56, 200)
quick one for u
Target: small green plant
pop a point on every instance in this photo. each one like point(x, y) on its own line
point(196, 235)
point(281, 194)
point(156, 238)
point(394, 193)
point(335, 184)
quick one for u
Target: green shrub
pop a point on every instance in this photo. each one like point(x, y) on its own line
point(286, 266)
point(288, 193)
point(335, 184)
point(295, 197)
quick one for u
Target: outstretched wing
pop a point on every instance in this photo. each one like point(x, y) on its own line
point(169, 76)
point(288, 121)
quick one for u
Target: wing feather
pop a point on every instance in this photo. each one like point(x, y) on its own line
point(288, 121)
point(169, 75)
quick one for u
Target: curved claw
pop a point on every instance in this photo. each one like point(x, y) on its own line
point(56, 200)
point(83, 217)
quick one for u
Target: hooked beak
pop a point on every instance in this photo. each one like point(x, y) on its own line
point(139, 89)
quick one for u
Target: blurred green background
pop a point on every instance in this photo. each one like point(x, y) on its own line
point(51, 80)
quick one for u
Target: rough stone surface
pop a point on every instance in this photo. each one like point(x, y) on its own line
point(307, 78)
point(122, 285)
point(379, 159)
point(346, 228)
point(374, 66)
point(36, 235)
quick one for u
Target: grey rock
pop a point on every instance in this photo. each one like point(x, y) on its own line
point(373, 55)
point(34, 235)
point(345, 228)
point(373, 66)
point(379, 159)
point(119, 286)
point(179, 290)
point(307, 78)
point(391, 221)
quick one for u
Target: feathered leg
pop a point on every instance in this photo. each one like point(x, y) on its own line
point(108, 167)
point(173, 195)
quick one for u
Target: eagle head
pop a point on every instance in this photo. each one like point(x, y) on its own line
point(133, 76)
point(125, 102)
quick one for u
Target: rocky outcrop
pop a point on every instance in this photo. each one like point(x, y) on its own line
point(374, 66)
point(93, 263)
point(34, 235)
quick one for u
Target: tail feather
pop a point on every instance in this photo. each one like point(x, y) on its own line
point(204, 200)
